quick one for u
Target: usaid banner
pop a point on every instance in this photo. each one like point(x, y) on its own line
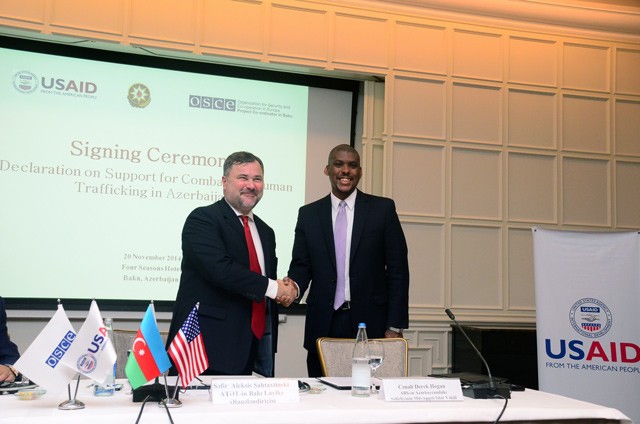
point(588, 329)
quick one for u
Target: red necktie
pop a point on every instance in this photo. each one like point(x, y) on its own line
point(257, 317)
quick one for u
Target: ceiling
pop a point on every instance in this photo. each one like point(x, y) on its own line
point(605, 4)
point(614, 16)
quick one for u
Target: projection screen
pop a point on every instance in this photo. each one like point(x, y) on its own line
point(104, 154)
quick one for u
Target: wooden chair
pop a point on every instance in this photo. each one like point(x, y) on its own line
point(123, 342)
point(335, 357)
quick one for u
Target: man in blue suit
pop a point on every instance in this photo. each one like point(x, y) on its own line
point(375, 284)
point(218, 271)
point(8, 350)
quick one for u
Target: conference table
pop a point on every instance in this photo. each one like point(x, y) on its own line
point(325, 406)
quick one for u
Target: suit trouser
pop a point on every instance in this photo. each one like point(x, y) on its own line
point(340, 328)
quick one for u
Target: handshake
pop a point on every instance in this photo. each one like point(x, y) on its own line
point(287, 291)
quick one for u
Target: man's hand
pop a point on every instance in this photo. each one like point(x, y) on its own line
point(6, 374)
point(390, 334)
point(287, 292)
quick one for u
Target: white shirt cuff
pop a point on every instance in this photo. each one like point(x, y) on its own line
point(272, 289)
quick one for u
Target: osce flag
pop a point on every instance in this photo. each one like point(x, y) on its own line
point(92, 353)
point(41, 362)
point(148, 358)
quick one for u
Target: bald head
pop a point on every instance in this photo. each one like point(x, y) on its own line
point(342, 148)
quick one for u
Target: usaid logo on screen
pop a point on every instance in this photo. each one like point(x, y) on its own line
point(214, 103)
point(25, 82)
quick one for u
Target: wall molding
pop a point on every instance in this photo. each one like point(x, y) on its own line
point(586, 19)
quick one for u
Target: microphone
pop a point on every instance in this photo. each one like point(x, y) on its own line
point(481, 390)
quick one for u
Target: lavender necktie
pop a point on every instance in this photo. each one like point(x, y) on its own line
point(340, 242)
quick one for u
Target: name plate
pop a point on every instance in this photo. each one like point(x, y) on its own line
point(421, 389)
point(254, 391)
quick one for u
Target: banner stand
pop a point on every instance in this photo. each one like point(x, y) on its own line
point(587, 295)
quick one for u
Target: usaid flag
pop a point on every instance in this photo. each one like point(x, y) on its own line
point(92, 353)
point(41, 362)
point(587, 296)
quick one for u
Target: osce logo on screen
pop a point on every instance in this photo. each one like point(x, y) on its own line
point(214, 103)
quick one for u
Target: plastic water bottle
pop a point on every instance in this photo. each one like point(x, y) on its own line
point(360, 368)
point(108, 388)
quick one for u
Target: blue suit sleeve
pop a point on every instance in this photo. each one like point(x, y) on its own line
point(8, 350)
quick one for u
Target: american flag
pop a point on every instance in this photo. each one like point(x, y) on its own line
point(187, 349)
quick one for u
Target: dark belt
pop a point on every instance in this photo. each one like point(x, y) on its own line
point(345, 306)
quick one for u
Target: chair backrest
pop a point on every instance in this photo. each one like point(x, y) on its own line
point(335, 357)
point(123, 342)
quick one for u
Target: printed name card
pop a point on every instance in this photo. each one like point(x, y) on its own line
point(254, 391)
point(421, 389)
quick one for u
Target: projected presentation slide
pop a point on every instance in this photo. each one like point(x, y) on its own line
point(100, 164)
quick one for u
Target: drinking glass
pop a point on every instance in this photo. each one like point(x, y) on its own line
point(376, 354)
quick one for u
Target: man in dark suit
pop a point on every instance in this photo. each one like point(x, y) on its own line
point(375, 281)
point(235, 284)
point(8, 350)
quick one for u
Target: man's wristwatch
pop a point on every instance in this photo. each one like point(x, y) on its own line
point(396, 330)
point(13, 370)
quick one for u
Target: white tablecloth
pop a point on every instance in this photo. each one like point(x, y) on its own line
point(330, 406)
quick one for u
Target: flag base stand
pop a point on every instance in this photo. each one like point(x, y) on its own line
point(71, 404)
point(170, 403)
point(155, 391)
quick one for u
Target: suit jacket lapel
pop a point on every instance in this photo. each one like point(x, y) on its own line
point(234, 222)
point(359, 220)
point(266, 242)
point(326, 227)
point(231, 218)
